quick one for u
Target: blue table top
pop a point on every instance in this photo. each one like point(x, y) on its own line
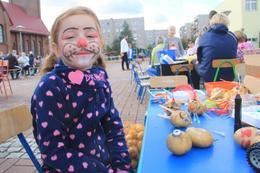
point(225, 156)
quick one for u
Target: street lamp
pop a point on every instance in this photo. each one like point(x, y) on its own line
point(20, 27)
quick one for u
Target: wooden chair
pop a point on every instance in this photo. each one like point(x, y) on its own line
point(14, 122)
point(165, 82)
point(4, 75)
point(168, 81)
point(224, 63)
point(178, 68)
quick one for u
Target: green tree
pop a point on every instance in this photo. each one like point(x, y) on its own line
point(126, 31)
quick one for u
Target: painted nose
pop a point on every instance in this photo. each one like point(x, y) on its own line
point(82, 42)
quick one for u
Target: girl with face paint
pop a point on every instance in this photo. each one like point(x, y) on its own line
point(75, 123)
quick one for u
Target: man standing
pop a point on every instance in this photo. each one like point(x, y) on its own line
point(124, 49)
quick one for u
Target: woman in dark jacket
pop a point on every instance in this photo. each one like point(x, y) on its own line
point(217, 43)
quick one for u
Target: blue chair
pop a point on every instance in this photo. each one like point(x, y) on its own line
point(14, 122)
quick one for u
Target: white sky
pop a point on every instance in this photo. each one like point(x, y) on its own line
point(158, 14)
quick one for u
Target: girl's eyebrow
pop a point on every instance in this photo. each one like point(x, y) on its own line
point(89, 28)
point(70, 28)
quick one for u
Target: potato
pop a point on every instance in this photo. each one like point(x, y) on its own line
point(139, 128)
point(245, 136)
point(133, 151)
point(133, 163)
point(179, 142)
point(131, 143)
point(192, 106)
point(140, 135)
point(200, 137)
point(132, 133)
point(180, 119)
point(128, 137)
point(139, 145)
point(126, 130)
point(196, 107)
point(201, 109)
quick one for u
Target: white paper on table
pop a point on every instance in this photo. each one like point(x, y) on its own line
point(250, 115)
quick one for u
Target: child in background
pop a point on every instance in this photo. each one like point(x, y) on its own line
point(192, 49)
point(130, 53)
point(75, 123)
point(173, 42)
point(243, 44)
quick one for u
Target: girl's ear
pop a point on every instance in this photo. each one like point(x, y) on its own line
point(55, 49)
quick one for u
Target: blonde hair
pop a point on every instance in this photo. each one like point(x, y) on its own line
point(219, 18)
point(241, 37)
point(51, 59)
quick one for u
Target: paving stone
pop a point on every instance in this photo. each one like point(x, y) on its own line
point(8, 163)
point(24, 156)
point(14, 155)
point(3, 149)
point(6, 144)
point(26, 162)
point(2, 160)
point(21, 169)
point(3, 155)
point(14, 149)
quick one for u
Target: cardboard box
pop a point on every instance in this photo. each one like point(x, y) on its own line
point(252, 78)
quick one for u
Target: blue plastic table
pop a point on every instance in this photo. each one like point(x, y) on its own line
point(225, 156)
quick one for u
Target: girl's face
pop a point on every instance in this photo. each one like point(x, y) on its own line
point(79, 42)
point(172, 31)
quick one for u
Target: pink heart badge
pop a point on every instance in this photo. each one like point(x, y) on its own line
point(76, 77)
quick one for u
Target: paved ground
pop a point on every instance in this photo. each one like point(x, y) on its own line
point(13, 158)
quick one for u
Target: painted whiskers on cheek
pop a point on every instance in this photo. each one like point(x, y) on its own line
point(71, 49)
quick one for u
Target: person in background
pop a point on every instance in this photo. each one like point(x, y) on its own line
point(75, 123)
point(2, 56)
point(31, 62)
point(131, 53)
point(24, 60)
point(154, 70)
point(243, 45)
point(218, 42)
point(124, 49)
point(37, 64)
point(191, 48)
point(173, 42)
point(155, 51)
point(198, 36)
point(13, 65)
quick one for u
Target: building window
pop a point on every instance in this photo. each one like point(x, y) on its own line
point(250, 5)
point(1, 34)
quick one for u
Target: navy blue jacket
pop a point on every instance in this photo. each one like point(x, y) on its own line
point(217, 43)
point(75, 123)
